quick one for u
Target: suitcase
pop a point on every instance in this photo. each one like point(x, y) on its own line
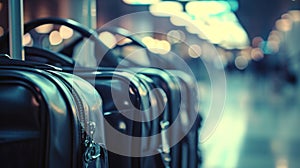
point(187, 151)
point(46, 118)
point(177, 150)
point(107, 80)
point(173, 85)
point(111, 84)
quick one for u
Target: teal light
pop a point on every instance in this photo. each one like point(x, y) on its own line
point(233, 4)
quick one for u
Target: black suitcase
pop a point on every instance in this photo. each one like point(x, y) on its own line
point(47, 120)
point(126, 94)
point(187, 151)
point(177, 150)
point(108, 81)
point(175, 85)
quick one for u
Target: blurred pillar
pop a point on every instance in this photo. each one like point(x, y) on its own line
point(83, 11)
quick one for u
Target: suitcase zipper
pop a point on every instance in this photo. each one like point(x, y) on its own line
point(92, 150)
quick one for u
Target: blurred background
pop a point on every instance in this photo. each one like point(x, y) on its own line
point(257, 42)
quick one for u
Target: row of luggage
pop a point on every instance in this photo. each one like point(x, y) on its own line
point(57, 112)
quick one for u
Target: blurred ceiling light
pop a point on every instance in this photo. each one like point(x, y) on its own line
point(273, 46)
point(283, 25)
point(43, 29)
point(257, 54)
point(55, 38)
point(197, 27)
point(108, 39)
point(175, 36)
point(1, 31)
point(246, 53)
point(157, 46)
point(295, 14)
point(197, 8)
point(282, 163)
point(140, 2)
point(256, 41)
point(164, 46)
point(227, 33)
point(241, 62)
point(286, 16)
point(274, 41)
point(166, 8)
point(27, 39)
point(180, 19)
point(194, 51)
point(274, 36)
point(148, 41)
point(65, 32)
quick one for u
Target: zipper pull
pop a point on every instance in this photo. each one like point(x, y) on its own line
point(165, 148)
point(93, 150)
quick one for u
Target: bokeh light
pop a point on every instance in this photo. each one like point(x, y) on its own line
point(166, 8)
point(175, 36)
point(283, 25)
point(257, 54)
point(241, 62)
point(65, 32)
point(27, 39)
point(195, 51)
point(295, 14)
point(43, 29)
point(1, 31)
point(108, 39)
point(55, 38)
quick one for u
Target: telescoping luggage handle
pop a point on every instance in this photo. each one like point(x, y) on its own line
point(16, 28)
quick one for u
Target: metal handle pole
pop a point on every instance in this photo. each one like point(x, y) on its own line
point(16, 29)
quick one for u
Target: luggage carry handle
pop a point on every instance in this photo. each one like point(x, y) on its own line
point(101, 53)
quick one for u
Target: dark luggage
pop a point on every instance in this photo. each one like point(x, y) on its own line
point(126, 100)
point(46, 118)
point(111, 84)
point(178, 92)
point(187, 152)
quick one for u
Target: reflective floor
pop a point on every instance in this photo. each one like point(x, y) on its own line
point(260, 126)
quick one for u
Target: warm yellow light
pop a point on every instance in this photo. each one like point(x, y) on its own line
point(164, 47)
point(195, 51)
point(46, 28)
point(65, 32)
point(175, 36)
point(27, 39)
point(1, 5)
point(140, 2)
point(1, 31)
point(148, 41)
point(282, 163)
point(197, 8)
point(165, 8)
point(108, 39)
point(257, 54)
point(55, 38)
point(246, 53)
point(256, 41)
point(283, 25)
point(157, 46)
point(275, 36)
point(241, 62)
point(295, 14)
point(180, 19)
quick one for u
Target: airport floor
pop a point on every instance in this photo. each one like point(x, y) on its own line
point(259, 127)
